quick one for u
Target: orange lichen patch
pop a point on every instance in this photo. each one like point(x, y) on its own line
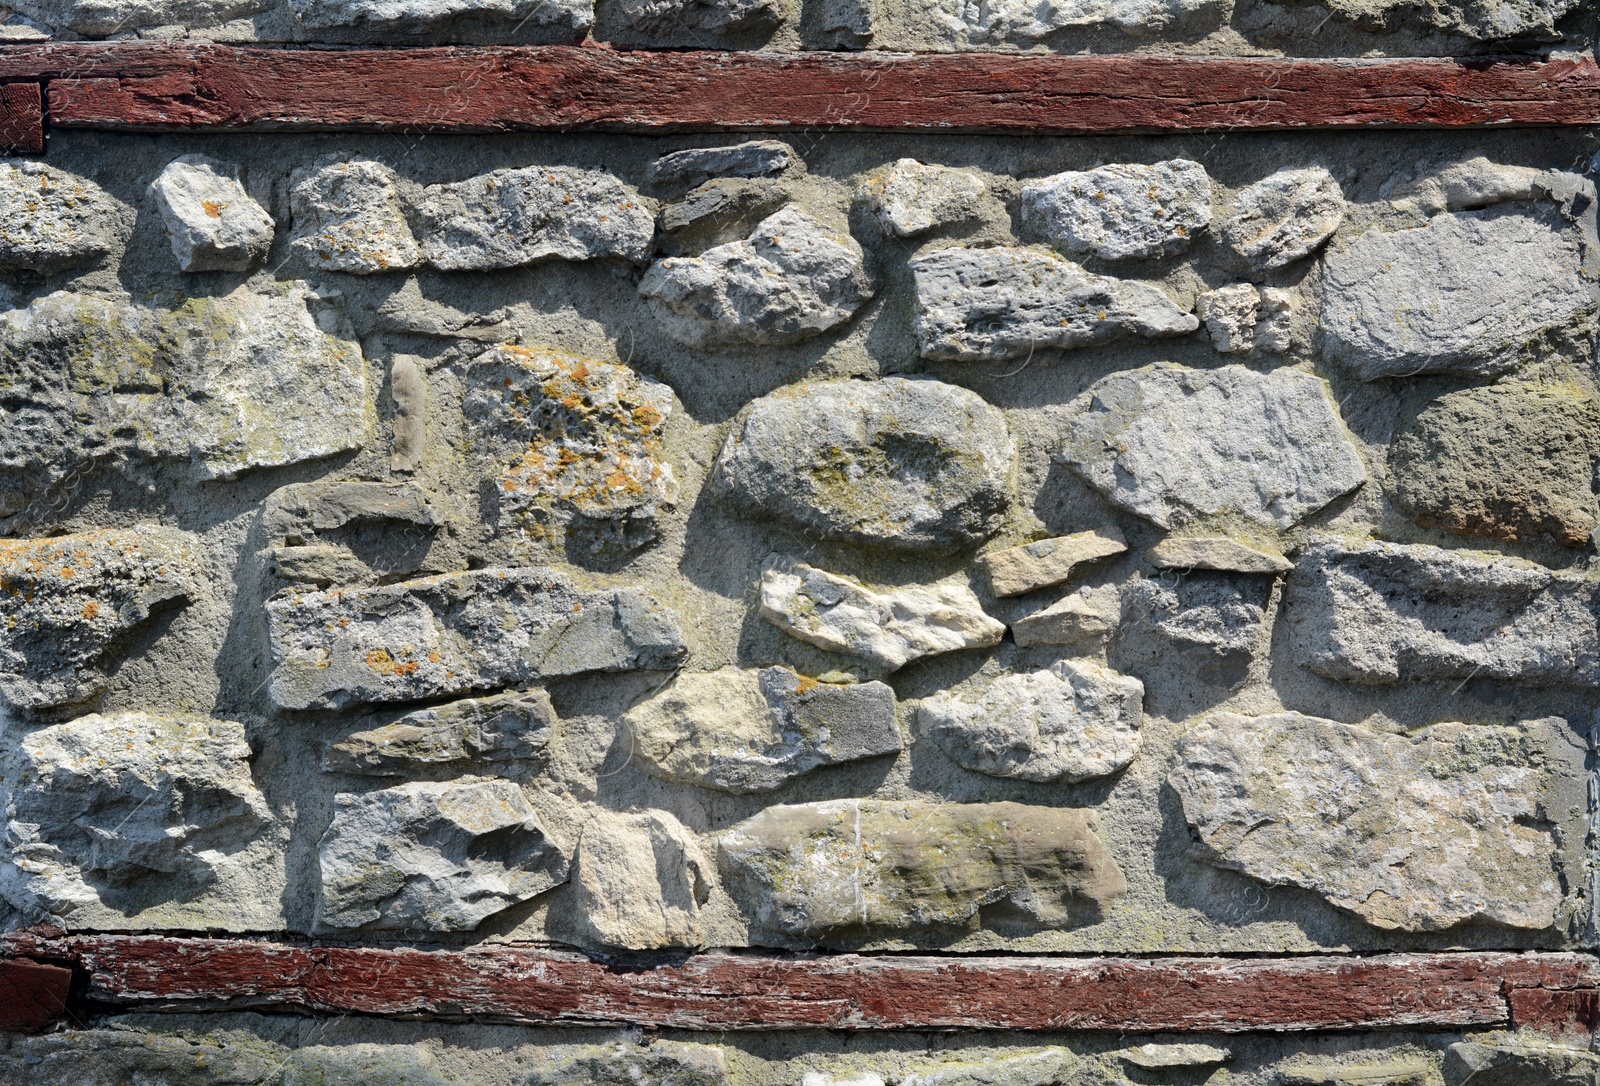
point(433, 657)
point(213, 208)
point(91, 609)
point(807, 684)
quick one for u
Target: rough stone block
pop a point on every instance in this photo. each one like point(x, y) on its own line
point(641, 880)
point(55, 220)
point(211, 220)
point(696, 165)
point(1036, 1067)
point(1216, 552)
point(514, 726)
point(1048, 562)
point(100, 18)
point(1023, 23)
point(722, 210)
point(1520, 1061)
point(1085, 618)
point(1210, 622)
point(667, 1063)
point(1120, 212)
point(571, 16)
point(1284, 217)
point(712, 16)
point(348, 218)
point(910, 198)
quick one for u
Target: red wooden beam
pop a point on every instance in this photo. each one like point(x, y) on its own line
point(210, 87)
point(21, 119)
point(841, 991)
point(32, 994)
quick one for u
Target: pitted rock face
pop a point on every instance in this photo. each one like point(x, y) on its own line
point(641, 880)
point(1474, 293)
point(713, 16)
point(910, 198)
point(1038, 1067)
point(661, 1063)
point(1209, 623)
point(1027, 23)
point(51, 220)
point(992, 304)
point(696, 165)
point(1477, 20)
point(753, 731)
point(574, 16)
point(1414, 833)
point(912, 464)
point(819, 869)
point(1178, 445)
point(65, 602)
point(1526, 1059)
point(1071, 722)
point(723, 210)
point(515, 726)
point(347, 217)
point(212, 221)
point(1284, 217)
point(1121, 212)
point(99, 18)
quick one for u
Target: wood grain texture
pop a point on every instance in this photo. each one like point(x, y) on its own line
point(32, 994)
point(190, 86)
point(21, 119)
point(1574, 1011)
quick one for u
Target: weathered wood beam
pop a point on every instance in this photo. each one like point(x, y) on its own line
point(21, 118)
point(215, 87)
point(32, 994)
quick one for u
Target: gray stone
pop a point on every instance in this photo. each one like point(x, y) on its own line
point(660, 1063)
point(753, 731)
point(1047, 562)
point(1158, 1057)
point(1038, 1067)
point(712, 16)
point(429, 857)
point(348, 218)
point(99, 18)
point(1230, 315)
point(910, 198)
point(754, 158)
point(459, 632)
point(1527, 1060)
point(408, 388)
point(839, 24)
point(51, 220)
point(1283, 217)
point(119, 1056)
point(1467, 186)
point(508, 218)
point(1209, 621)
point(1476, 20)
point(297, 512)
point(1216, 552)
point(1508, 461)
point(1071, 722)
point(792, 279)
point(515, 726)
point(641, 880)
point(912, 464)
point(572, 16)
point(319, 564)
point(1400, 1072)
point(1086, 617)
point(1274, 331)
point(360, 1064)
point(722, 210)
point(864, 1078)
point(1378, 613)
point(890, 628)
point(1024, 23)
point(1121, 211)
point(992, 304)
point(1472, 293)
point(816, 869)
point(66, 601)
point(1181, 446)
point(211, 220)
point(1409, 832)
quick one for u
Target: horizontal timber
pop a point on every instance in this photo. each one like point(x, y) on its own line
point(839, 991)
point(184, 86)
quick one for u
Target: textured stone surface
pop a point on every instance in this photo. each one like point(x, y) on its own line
point(817, 869)
point(1522, 1061)
point(753, 731)
point(661, 1063)
point(1178, 445)
point(911, 198)
point(889, 628)
point(98, 18)
point(713, 16)
point(1284, 217)
point(213, 223)
point(569, 15)
point(913, 464)
point(1122, 211)
point(1411, 833)
point(1210, 622)
point(1333, 1072)
point(360, 1063)
point(1382, 613)
point(514, 726)
point(347, 218)
point(508, 218)
point(1230, 315)
point(1159, 1057)
point(298, 512)
point(1468, 185)
point(1048, 562)
point(51, 220)
point(1026, 24)
point(753, 158)
point(113, 1056)
point(1274, 331)
point(65, 602)
point(792, 279)
point(992, 304)
point(1470, 293)
point(1507, 461)
point(427, 857)
point(1475, 20)
point(456, 633)
point(641, 880)
point(723, 210)
point(1036, 1067)
point(1085, 618)
point(1216, 552)
point(1070, 722)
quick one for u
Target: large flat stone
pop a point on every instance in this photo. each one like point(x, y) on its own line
point(1524, 1060)
point(573, 16)
point(51, 220)
point(661, 1063)
point(641, 880)
point(1026, 24)
point(100, 18)
point(514, 726)
point(1122, 211)
point(1409, 832)
point(1529, 20)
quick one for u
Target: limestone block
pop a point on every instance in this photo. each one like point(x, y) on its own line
point(1121, 211)
point(992, 304)
point(408, 388)
point(298, 512)
point(573, 16)
point(514, 726)
point(113, 1056)
point(712, 16)
point(1230, 314)
point(66, 601)
point(1467, 186)
point(348, 218)
point(792, 279)
point(911, 464)
point(1023, 23)
point(910, 198)
point(1470, 293)
point(1378, 613)
point(641, 880)
point(660, 1063)
point(889, 628)
point(1284, 217)
point(1477, 21)
point(1216, 552)
point(1274, 331)
point(360, 1064)
point(1047, 562)
point(211, 220)
point(816, 869)
point(508, 218)
point(1328, 1072)
point(432, 857)
point(458, 632)
point(1178, 445)
point(99, 18)
point(1070, 722)
point(1085, 618)
point(696, 165)
point(1409, 832)
point(1030, 1067)
point(753, 731)
point(51, 220)
point(719, 211)
point(319, 564)
point(1528, 1060)
point(1212, 622)
point(1159, 1057)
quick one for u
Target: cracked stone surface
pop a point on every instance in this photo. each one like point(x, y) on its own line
point(347, 217)
point(211, 220)
point(514, 726)
point(667, 1063)
point(911, 198)
point(1122, 211)
point(1284, 217)
point(697, 165)
point(51, 220)
point(1210, 622)
point(641, 880)
point(966, 25)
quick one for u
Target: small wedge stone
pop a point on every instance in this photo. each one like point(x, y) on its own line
point(1032, 566)
point(1216, 552)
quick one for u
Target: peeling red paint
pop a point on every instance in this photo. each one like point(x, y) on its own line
point(1570, 1011)
point(32, 994)
point(21, 119)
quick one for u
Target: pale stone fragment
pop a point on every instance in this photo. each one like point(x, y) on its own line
point(712, 16)
point(1409, 832)
point(1230, 315)
point(1274, 331)
point(993, 304)
point(1471, 293)
point(641, 880)
point(358, 1064)
point(753, 158)
point(1122, 211)
point(99, 18)
point(891, 628)
point(348, 218)
point(1527, 1060)
point(720, 211)
point(433, 857)
point(1475, 20)
point(572, 16)
point(119, 1056)
point(408, 387)
point(1284, 217)
point(660, 1063)
point(862, 1078)
point(1071, 722)
point(320, 564)
point(912, 464)
point(911, 198)
point(1038, 1067)
point(1216, 552)
point(51, 220)
point(1178, 445)
point(1086, 617)
point(459, 632)
point(514, 726)
point(297, 512)
point(1469, 185)
point(1159, 1057)
point(815, 869)
point(1210, 621)
point(211, 220)
point(66, 601)
point(792, 279)
point(1401, 1072)
point(1046, 562)
point(965, 25)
